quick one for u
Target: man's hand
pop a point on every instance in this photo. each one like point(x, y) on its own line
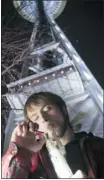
point(79, 174)
point(24, 136)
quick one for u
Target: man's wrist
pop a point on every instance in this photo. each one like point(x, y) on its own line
point(14, 149)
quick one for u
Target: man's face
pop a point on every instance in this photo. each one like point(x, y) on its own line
point(48, 117)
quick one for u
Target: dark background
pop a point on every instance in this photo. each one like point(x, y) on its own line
point(83, 23)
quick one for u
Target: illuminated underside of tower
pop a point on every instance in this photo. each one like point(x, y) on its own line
point(56, 67)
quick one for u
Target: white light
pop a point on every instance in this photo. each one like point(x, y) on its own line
point(62, 36)
point(62, 72)
point(88, 76)
point(45, 77)
point(77, 58)
point(53, 75)
point(21, 86)
point(38, 81)
point(29, 83)
point(100, 98)
point(71, 69)
point(57, 27)
point(68, 45)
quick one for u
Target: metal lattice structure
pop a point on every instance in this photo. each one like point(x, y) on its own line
point(69, 77)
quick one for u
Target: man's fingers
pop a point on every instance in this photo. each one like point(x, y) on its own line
point(31, 126)
point(19, 130)
point(24, 129)
point(36, 126)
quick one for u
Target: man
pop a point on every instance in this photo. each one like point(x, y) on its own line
point(29, 158)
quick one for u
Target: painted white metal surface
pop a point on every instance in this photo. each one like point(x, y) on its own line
point(87, 77)
point(28, 8)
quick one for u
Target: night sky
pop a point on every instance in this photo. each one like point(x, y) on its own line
point(83, 23)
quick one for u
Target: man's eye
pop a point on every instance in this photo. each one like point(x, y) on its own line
point(47, 108)
point(36, 118)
